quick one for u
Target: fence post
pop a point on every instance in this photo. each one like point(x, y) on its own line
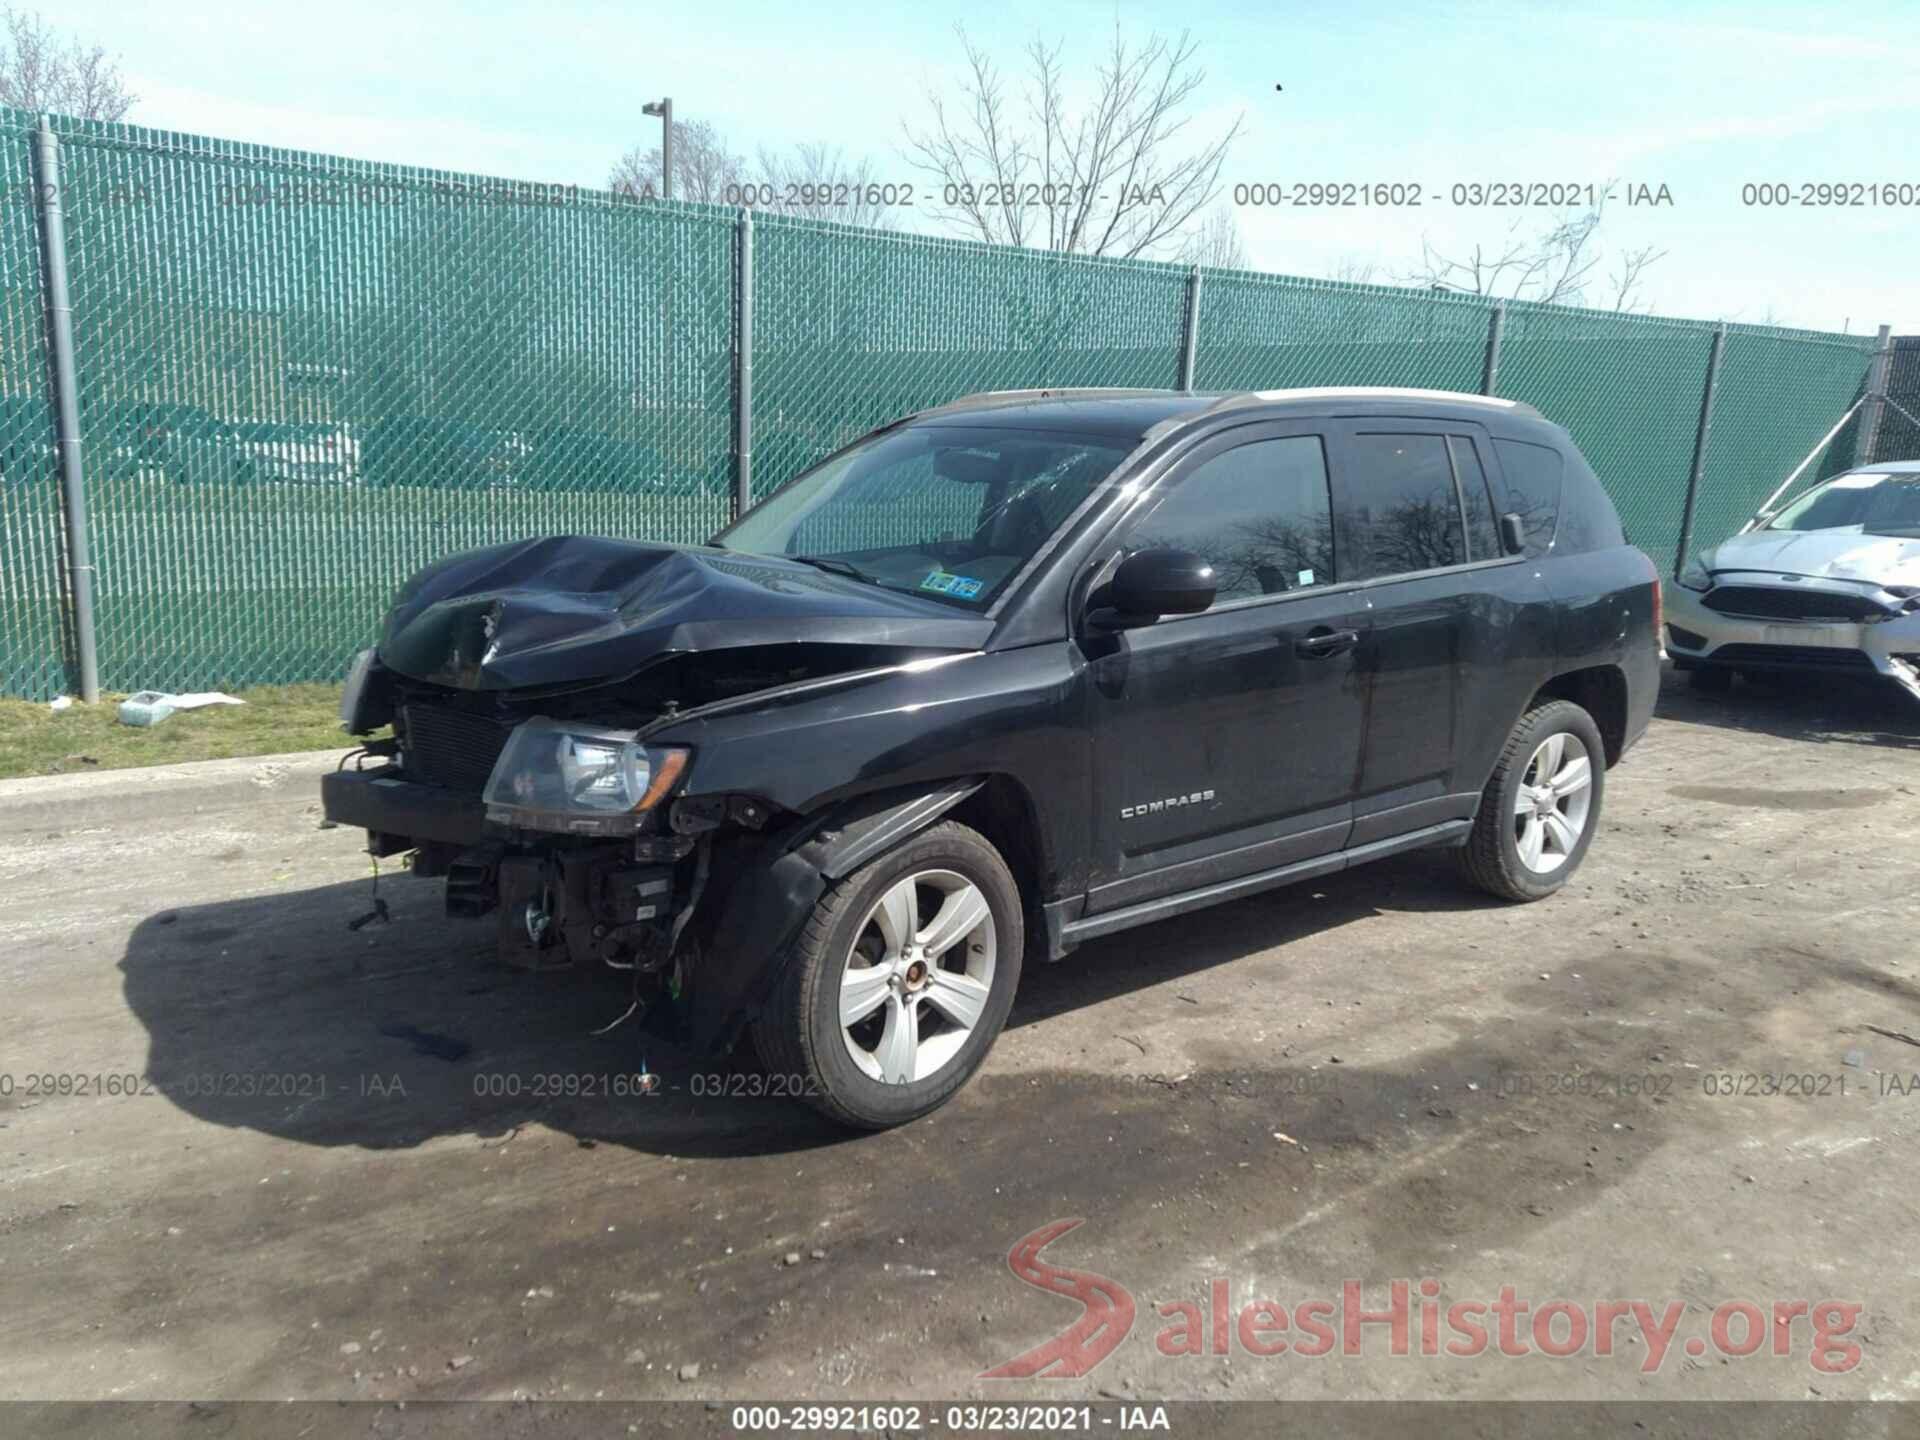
point(743, 363)
point(1867, 438)
point(1190, 331)
point(1496, 327)
point(1700, 446)
point(66, 403)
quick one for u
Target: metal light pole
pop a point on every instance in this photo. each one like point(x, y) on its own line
point(664, 109)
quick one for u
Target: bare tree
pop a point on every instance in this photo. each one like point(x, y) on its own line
point(820, 183)
point(41, 69)
point(1216, 243)
point(817, 181)
point(705, 168)
point(1354, 270)
point(1560, 265)
point(1627, 274)
point(1117, 176)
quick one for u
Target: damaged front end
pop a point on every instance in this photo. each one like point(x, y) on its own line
point(525, 765)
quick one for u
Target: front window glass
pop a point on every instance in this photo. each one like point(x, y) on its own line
point(1863, 504)
point(1259, 513)
point(948, 512)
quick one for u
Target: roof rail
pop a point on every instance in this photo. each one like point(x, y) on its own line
point(1366, 392)
point(985, 398)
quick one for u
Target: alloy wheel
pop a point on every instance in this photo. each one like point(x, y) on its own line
point(918, 976)
point(1555, 798)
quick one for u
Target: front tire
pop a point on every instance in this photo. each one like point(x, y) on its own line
point(899, 982)
point(1541, 806)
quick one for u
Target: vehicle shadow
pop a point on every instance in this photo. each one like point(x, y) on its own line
point(270, 1013)
point(1421, 883)
point(1837, 710)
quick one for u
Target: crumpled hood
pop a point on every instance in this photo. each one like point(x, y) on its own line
point(1825, 554)
point(577, 608)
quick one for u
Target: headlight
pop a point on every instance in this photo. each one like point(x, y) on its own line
point(364, 707)
point(1694, 574)
point(556, 775)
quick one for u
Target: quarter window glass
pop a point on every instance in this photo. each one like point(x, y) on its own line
point(1533, 490)
point(1401, 513)
point(1483, 534)
point(1587, 517)
point(1259, 513)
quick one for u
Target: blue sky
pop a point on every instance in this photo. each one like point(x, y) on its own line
point(1700, 98)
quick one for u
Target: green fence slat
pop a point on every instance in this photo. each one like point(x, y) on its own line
point(33, 641)
point(1779, 392)
point(303, 376)
point(853, 328)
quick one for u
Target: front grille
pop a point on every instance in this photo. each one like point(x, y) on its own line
point(1798, 657)
point(1769, 602)
point(451, 748)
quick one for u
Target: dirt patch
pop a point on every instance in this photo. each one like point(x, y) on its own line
point(1770, 799)
point(349, 1159)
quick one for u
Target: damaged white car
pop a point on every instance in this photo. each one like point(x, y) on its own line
point(1828, 584)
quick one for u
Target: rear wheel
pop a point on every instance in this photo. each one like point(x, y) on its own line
point(1541, 806)
point(900, 981)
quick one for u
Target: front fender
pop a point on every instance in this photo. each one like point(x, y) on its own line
point(768, 885)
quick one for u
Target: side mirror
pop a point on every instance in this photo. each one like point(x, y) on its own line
point(1152, 583)
point(1513, 534)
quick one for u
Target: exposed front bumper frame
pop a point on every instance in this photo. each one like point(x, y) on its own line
point(385, 802)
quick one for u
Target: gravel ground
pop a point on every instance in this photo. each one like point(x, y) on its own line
point(357, 1163)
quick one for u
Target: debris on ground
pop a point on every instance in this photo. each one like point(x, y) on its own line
point(1900, 1035)
point(150, 707)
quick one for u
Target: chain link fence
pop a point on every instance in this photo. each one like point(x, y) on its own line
point(301, 377)
point(1899, 434)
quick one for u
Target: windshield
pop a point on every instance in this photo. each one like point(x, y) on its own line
point(1863, 504)
point(949, 512)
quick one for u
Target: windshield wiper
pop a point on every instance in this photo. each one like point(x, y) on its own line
point(837, 566)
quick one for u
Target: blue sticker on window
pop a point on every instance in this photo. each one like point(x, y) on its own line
point(958, 586)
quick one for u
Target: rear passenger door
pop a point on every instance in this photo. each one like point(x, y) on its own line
point(1451, 615)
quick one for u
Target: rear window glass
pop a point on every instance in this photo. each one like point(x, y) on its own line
point(1533, 490)
point(1483, 535)
point(1399, 512)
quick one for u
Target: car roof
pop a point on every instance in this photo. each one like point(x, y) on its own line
point(1140, 414)
point(1886, 467)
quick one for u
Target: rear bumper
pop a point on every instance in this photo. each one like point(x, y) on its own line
point(385, 802)
point(1883, 650)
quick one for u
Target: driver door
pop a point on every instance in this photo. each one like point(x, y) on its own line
point(1229, 742)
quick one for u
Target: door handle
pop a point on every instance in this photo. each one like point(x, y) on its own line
point(1321, 642)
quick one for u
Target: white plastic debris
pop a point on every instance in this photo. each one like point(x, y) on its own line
point(65, 702)
point(150, 707)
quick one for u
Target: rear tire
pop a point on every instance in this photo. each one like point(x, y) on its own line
point(941, 916)
point(1541, 806)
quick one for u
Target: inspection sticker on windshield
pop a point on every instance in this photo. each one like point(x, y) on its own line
point(958, 586)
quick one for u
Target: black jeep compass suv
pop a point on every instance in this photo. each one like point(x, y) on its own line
point(1000, 677)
